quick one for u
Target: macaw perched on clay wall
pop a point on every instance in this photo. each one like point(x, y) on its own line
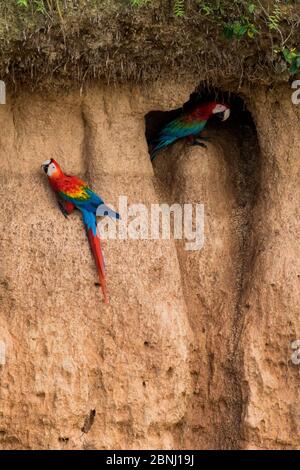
point(73, 193)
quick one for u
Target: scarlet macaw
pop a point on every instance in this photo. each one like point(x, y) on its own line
point(189, 124)
point(72, 193)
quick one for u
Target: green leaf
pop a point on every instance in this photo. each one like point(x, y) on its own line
point(293, 69)
point(228, 31)
point(239, 30)
point(251, 8)
point(22, 3)
point(289, 55)
point(40, 6)
point(179, 8)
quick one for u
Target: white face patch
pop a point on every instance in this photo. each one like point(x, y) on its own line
point(219, 108)
point(51, 169)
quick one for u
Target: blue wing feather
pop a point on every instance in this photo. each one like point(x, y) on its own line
point(91, 204)
point(176, 129)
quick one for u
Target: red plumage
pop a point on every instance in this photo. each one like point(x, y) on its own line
point(73, 193)
point(97, 252)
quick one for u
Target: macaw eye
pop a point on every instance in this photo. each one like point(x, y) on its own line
point(219, 109)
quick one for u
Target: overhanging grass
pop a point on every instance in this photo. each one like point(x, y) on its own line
point(76, 40)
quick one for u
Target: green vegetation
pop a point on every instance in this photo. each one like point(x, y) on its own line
point(242, 19)
point(292, 57)
point(178, 8)
point(140, 40)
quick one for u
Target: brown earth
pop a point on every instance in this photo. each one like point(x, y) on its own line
point(115, 42)
point(194, 350)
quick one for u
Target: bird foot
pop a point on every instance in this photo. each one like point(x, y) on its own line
point(63, 209)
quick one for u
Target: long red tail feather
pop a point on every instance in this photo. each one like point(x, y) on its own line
point(97, 252)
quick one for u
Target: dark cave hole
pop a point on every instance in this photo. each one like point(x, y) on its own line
point(239, 117)
point(245, 171)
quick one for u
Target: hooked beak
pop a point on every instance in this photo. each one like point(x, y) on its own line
point(45, 167)
point(225, 114)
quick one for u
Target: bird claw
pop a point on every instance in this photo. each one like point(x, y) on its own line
point(62, 209)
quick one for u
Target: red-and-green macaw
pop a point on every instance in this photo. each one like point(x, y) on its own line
point(189, 124)
point(72, 193)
